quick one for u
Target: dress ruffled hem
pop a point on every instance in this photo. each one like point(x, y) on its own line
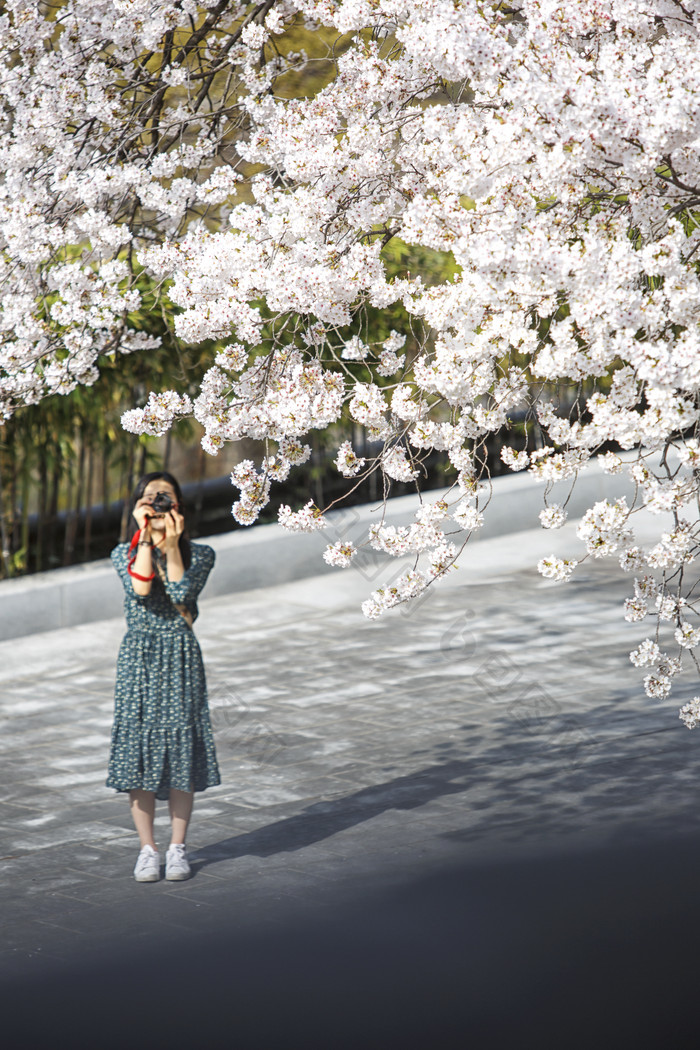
point(157, 758)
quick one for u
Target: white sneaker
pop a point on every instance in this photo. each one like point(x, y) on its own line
point(147, 866)
point(176, 866)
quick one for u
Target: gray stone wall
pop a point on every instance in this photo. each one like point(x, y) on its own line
point(266, 555)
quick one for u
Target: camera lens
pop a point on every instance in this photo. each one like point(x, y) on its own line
point(162, 503)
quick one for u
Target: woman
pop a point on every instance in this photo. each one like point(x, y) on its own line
point(162, 743)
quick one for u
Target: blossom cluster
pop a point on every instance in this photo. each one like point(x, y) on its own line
point(408, 585)
point(690, 713)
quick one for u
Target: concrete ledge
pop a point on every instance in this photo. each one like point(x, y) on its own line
point(266, 555)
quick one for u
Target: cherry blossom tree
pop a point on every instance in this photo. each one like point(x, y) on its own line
point(549, 148)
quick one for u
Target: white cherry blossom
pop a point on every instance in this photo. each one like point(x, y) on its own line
point(553, 517)
point(546, 151)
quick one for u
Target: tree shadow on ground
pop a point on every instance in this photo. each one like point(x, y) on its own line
point(555, 780)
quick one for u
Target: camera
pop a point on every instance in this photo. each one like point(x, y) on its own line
point(162, 503)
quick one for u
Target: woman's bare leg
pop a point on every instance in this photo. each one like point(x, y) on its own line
point(143, 812)
point(181, 803)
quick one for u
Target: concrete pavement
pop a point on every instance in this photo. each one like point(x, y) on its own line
point(497, 722)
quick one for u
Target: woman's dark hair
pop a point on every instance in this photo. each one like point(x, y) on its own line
point(158, 475)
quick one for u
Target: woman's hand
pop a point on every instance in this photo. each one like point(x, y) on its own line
point(174, 527)
point(142, 513)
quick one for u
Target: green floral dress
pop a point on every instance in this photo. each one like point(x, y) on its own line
point(162, 737)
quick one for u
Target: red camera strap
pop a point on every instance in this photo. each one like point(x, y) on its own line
point(131, 558)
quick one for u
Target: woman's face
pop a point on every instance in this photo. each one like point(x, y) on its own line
point(149, 494)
